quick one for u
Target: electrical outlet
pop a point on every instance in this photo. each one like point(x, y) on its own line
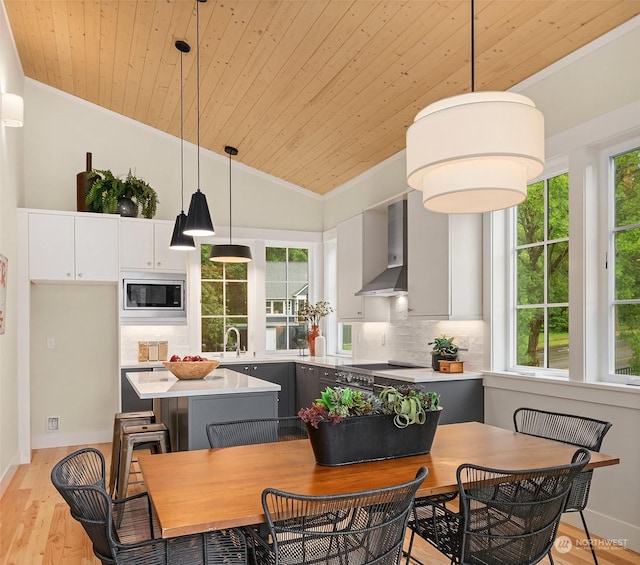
point(52, 424)
point(463, 342)
point(383, 339)
point(51, 343)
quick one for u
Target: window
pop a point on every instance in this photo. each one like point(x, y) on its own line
point(224, 302)
point(345, 338)
point(542, 275)
point(625, 264)
point(287, 287)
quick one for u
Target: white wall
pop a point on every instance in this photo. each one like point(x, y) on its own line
point(11, 175)
point(61, 129)
point(78, 379)
point(613, 511)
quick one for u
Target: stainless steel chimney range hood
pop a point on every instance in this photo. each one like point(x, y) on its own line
point(393, 280)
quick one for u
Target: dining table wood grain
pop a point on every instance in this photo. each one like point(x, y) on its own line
point(211, 489)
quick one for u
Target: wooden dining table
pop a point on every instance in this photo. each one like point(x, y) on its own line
point(210, 489)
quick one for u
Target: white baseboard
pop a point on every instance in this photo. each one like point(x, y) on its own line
point(8, 474)
point(56, 439)
point(615, 532)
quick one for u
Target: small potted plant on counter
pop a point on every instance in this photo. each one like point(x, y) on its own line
point(443, 350)
point(348, 426)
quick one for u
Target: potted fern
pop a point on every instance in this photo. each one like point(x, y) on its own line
point(109, 194)
point(349, 426)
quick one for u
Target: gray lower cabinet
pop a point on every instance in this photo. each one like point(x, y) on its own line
point(462, 400)
point(308, 386)
point(187, 417)
point(282, 373)
point(131, 402)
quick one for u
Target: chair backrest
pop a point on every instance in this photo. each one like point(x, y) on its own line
point(248, 432)
point(80, 479)
point(512, 517)
point(354, 528)
point(567, 428)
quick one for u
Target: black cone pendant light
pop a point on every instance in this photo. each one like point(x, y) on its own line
point(199, 219)
point(230, 253)
point(180, 241)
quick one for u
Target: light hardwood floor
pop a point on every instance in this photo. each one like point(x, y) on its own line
point(36, 528)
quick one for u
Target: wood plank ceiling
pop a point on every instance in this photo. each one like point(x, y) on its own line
point(312, 91)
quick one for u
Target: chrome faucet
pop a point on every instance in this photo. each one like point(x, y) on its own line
point(226, 339)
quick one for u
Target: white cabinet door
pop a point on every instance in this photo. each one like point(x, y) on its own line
point(67, 248)
point(144, 245)
point(136, 244)
point(167, 259)
point(96, 248)
point(445, 263)
point(350, 307)
point(51, 247)
point(351, 272)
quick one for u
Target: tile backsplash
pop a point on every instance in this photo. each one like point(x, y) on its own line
point(177, 336)
point(407, 339)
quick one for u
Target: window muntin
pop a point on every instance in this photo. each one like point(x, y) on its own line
point(542, 275)
point(224, 291)
point(625, 254)
point(286, 287)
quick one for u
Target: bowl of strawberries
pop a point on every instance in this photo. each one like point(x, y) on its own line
point(190, 366)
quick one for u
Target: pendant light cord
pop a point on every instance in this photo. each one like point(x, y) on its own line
point(230, 230)
point(198, 81)
point(473, 54)
point(181, 137)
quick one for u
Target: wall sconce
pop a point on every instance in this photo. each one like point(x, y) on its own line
point(12, 110)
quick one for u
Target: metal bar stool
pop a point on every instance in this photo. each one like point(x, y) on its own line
point(119, 421)
point(156, 436)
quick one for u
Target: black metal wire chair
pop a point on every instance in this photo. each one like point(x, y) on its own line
point(249, 432)
point(122, 531)
point(133, 515)
point(506, 517)
point(355, 528)
point(574, 430)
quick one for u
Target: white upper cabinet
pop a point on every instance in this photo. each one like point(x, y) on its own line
point(357, 243)
point(444, 263)
point(144, 245)
point(67, 247)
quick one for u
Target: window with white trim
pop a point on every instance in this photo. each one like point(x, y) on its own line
point(224, 291)
point(541, 262)
point(286, 288)
point(624, 263)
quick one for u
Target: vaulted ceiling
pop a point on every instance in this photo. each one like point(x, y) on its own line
point(312, 91)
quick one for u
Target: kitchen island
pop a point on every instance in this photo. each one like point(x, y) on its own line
point(187, 406)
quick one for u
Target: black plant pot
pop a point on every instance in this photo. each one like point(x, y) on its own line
point(437, 357)
point(370, 438)
point(127, 207)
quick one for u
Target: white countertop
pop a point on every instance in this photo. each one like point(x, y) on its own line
point(162, 384)
point(409, 374)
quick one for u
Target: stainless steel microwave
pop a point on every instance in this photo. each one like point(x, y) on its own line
point(154, 298)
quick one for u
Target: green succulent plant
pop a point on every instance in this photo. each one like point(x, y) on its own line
point(406, 404)
point(443, 345)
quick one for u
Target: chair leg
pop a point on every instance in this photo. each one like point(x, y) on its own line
point(550, 557)
point(408, 552)
point(586, 531)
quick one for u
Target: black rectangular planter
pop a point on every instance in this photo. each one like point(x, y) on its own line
point(370, 438)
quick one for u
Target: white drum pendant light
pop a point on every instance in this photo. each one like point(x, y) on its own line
point(475, 152)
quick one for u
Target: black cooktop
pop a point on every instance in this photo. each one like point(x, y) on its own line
point(381, 366)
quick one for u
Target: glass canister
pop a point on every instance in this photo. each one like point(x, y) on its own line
point(163, 350)
point(153, 351)
point(143, 351)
